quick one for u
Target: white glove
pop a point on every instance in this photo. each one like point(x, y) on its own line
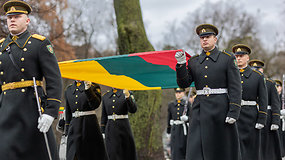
point(282, 111)
point(127, 93)
point(171, 122)
point(274, 127)
point(259, 126)
point(230, 120)
point(103, 134)
point(45, 122)
point(184, 118)
point(87, 84)
point(180, 57)
point(168, 135)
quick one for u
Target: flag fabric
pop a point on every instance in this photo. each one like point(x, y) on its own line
point(138, 71)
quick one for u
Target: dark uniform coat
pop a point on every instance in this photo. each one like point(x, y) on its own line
point(270, 140)
point(253, 89)
point(20, 138)
point(178, 139)
point(85, 139)
point(209, 136)
point(118, 135)
point(281, 132)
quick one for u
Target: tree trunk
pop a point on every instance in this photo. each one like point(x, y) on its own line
point(131, 39)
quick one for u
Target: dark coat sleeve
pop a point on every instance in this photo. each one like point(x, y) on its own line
point(68, 115)
point(169, 117)
point(275, 104)
point(262, 101)
point(49, 68)
point(234, 89)
point(183, 75)
point(104, 117)
point(94, 95)
point(131, 104)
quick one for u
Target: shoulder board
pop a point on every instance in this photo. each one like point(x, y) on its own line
point(37, 36)
point(225, 52)
point(105, 93)
point(270, 80)
point(258, 72)
point(195, 56)
point(2, 40)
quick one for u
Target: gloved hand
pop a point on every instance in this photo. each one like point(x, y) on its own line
point(168, 136)
point(180, 57)
point(127, 93)
point(184, 118)
point(259, 126)
point(171, 122)
point(103, 134)
point(87, 84)
point(45, 122)
point(274, 127)
point(282, 111)
point(230, 120)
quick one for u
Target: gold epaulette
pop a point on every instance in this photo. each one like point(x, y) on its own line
point(258, 72)
point(40, 37)
point(2, 40)
point(270, 80)
point(195, 56)
point(225, 52)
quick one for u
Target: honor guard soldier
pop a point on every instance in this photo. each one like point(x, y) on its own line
point(178, 112)
point(85, 140)
point(252, 118)
point(270, 139)
point(115, 124)
point(212, 129)
point(24, 57)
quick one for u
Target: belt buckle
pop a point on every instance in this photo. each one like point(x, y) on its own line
point(113, 117)
point(206, 90)
point(76, 114)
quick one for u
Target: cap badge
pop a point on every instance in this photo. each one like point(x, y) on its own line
point(12, 9)
point(203, 30)
point(254, 64)
point(239, 49)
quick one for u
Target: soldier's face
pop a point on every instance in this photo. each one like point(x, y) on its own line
point(208, 42)
point(242, 60)
point(17, 23)
point(279, 89)
point(179, 95)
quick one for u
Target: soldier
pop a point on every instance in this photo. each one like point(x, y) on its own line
point(85, 140)
point(23, 56)
point(177, 125)
point(212, 129)
point(252, 118)
point(270, 139)
point(115, 124)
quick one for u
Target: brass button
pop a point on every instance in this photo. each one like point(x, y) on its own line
point(241, 81)
point(114, 100)
point(178, 108)
point(178, 104)
point(4, 93)
point(0, 53)
point(113, 106)
point(29, 42)
point(1, 73)
point(22, 80)
point(22, 69)
point(23, 90)
point(208, 95)
point(114, 95)
point(22, 59)
point(207, 58)
point(206, 76)
point(0, 62)
point(206, 86)
point(241, 74)
point(178, 113)
point(25, 49)
point(76, 96)
point(76, 102)
point(4, 82)
point(206, 67)
point(76, 89)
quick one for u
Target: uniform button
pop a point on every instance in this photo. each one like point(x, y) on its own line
point(208, 95)
point(207, 58)
point(22, 80)
point(178, 104)
point(23, 90)
point(1, 73)
point(76, 89)
point(22, 69)
point(206, 86)
point(4, 82)
point(4, 93)
point(0, 62)
point(178, 113)
point(0, 53)
point(206, 67)
point(241, 81)
point(76, 96)
point(178, 108)
point(76, 102)
point(114, 100)
point(206, 76)
point(22, 59)
point(113, 106)
point(25, 49)
point(29, 42)
point(114, 95)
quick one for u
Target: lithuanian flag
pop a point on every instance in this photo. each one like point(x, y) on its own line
point(138, 71)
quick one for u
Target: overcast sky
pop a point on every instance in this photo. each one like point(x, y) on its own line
point(158, 13)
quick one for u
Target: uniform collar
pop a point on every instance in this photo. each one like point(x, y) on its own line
point(214, 55)
point(182, 102)
point(118, 93)
point(247, 71)
point(20, 42)
point(81, 88)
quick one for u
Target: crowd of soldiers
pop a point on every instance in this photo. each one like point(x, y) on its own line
point(235, 115)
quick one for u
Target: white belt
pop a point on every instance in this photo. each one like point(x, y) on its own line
point(77, 114)
point(248, 103)
point(268, 107)
point(178, 122)
point(207, 91)
point(115, 116)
